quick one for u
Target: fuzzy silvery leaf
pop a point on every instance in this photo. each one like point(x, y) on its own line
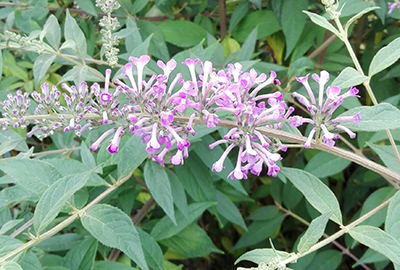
point(377, 240)
point(349, 77)
point(385, 57)
point(321, 21)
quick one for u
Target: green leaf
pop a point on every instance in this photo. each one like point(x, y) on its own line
point(157, 46)
point(378, 240)
point(326, 260)
point(291, 195)
point(266, 21)
point(1, 63)
point(358, 15)
point(182, 33)
point(301, 67)
point(109, 265)
point(385, 152)
point(321, 21)
point(228, 210)
point(324, 164)
point(262, 255)
point(385, 57)
point(259, 231)
point(247, 48)
point(264, 213)
point(20, 170)
point(60, 242)
point(316, 192)
point(10, 225)
point(152, 251)
point(370, 256)
point(375, 199)
point(132, 155)
point(131, 35)
point(392, 224)
point(166, 229)
point(178, 193)
point(87, 157)
point(73, 32)
point(192, 242)
point(11, 140)
point(52, 31)
point(114, 228)
point(138, 5)
point(195, 178)
point(293, 22)
point(41, 65)
point(158, 184)
point(238, 14)
point(68, 167)
point(30, 262)
point(313, 233)
point(349, 77)
point(87, 6)
point(374, 118)
point(10, 265)
point(82, 255)
point(54, 198)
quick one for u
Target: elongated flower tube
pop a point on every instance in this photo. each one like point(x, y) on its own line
point(321, 110)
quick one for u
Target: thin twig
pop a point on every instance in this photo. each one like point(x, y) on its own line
point(337, 244)
point(22, 228)
point(333, 237)
point(222, 18)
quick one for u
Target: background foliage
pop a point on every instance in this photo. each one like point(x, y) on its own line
point(188, 217)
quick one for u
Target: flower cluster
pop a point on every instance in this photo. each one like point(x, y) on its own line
point(321, 112)
point(149, 106)
point(233, 92)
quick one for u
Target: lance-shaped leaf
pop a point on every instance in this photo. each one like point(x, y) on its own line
point(347, 78)
point(316, 192)
point(321, 21)
point(160, 188)
point(114, 228)
point(378, 240)
point(54, 198)
point(313, 233)
point(385, 57)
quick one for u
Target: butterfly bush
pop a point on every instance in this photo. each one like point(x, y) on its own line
point(148, 108)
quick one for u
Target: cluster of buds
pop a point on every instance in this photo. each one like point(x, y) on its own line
point(15, 108)
point(321, 113)
point(149, 109)
point(109, 24)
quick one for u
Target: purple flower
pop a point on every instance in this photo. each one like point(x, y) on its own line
point(114, 143)
point(321, 113)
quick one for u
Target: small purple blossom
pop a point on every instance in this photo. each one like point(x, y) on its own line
point(321, 112)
